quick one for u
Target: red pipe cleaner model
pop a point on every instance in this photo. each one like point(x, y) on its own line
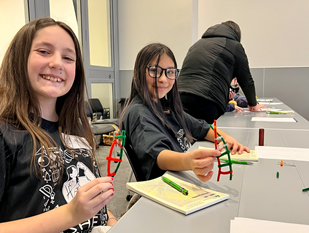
point(110, 158)
point(227, 151)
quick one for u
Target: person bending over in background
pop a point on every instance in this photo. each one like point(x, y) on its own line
point(208, 69)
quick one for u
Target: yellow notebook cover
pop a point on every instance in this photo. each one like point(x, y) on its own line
point(252, 156)
point(159, 191)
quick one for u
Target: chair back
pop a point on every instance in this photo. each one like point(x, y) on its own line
point(96, 107)
point(133, 160)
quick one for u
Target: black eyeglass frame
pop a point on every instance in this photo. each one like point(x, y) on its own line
point(165, 70)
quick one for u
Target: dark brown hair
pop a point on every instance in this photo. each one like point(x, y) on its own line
point(18, 100)
point(139, 88)
point(235, 28)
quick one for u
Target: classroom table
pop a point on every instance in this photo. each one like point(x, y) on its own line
point(255, 192)
point(272, 137)
point(243, 119)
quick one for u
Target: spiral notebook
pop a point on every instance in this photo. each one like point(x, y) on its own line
point(157, 190)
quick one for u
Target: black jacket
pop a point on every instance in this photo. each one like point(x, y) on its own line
point(211, 64)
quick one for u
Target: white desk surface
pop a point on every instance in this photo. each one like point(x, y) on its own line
point(243, 119)
point(272, 137)
point(255, 191)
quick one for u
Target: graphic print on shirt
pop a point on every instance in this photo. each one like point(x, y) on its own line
point(46, 166)
point(182, 140)
point(75, 181)
point(78, 173)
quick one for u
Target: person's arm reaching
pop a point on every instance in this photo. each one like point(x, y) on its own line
point(111, 219)
point(244, 77)
point(230, 107)
point(233, 144)
point(199, 161)
point(256, 108)
point(239, 109)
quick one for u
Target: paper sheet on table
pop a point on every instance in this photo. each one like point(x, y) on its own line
point(270, 103)
point(282, 153)
point(244, 225)
point(261, 100)
point(274, 119)
point(252, 156)
point(271, 109)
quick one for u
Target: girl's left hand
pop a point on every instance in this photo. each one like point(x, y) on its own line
point(234, 146)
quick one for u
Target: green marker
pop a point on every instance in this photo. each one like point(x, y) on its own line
point(306, 189)
point(279, 112)
point(277, 174)
point(238, 162)
point(276, 112)
point(174, 185)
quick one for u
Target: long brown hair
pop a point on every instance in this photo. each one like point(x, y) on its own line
point(139, 88)
point(18, 103)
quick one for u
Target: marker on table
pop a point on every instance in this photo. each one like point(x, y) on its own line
point(306, 189)
point(238, 162)
point(176, 186)
point(276, 112)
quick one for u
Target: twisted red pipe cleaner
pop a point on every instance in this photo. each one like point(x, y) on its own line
point(110, 158)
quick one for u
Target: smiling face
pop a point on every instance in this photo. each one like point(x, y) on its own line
point(51, 63)
point(164, 84)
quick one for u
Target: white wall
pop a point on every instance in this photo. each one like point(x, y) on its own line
point(142, 22)
point(99, 33)
point(275, 36)
point(274, 33)
point(63, 10)
point(12, 18)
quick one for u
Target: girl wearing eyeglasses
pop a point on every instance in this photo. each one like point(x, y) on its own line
point(157, 128)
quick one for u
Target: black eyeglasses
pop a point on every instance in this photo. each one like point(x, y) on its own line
point(157, 71)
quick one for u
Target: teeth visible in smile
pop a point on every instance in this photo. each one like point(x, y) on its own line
point(52, 79)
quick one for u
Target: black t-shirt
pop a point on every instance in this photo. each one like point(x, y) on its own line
point(148, 136)
point(24, 194)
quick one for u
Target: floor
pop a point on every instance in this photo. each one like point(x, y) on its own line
point(119, 202)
